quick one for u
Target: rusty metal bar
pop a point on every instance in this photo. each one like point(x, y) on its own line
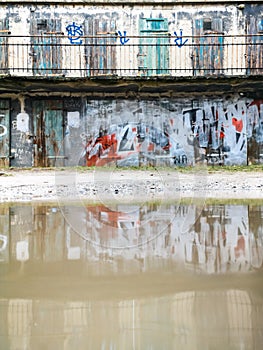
point(106, 34)
point(111, 55)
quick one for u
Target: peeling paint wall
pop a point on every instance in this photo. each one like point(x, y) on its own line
point(172, 132)
point(136, 132)
point(4, 132)
point(47, 126)
point(63, 44)
point(21, 139)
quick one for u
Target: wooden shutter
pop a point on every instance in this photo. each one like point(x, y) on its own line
point(4, 25)
point(46, 50)
point(100, 48)
point(254, 51)
point(208, 51)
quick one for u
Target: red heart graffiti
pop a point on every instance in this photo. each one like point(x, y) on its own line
point(238, 124)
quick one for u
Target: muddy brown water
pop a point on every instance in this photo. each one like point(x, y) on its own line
point(151, 276)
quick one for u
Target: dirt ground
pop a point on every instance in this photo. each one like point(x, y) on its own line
point(127, 185)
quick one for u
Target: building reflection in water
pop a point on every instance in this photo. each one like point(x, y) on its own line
point(213, 239)
point(131, 277)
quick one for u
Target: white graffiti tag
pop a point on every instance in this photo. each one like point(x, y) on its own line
point(4, 243)
point(3, 130)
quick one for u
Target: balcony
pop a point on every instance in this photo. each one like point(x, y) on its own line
point(115, 55)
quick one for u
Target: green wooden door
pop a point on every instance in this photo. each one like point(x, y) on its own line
point(100, 48)
point(154, 46)
point(49, 133)
point(53, 121)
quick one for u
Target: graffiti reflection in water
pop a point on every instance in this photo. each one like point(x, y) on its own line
point(187, 277)
point(212, 239)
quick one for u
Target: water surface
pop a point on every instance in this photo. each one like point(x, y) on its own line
point(131, 277)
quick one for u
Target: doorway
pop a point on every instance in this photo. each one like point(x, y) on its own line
point(48, 124)
point(153, 57)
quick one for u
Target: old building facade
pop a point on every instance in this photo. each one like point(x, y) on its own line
point(98, 83)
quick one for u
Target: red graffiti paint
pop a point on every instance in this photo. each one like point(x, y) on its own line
point(238, 124)
point(240, 248)
point(256, 103)
point(108, 148)
point(102, 144)
point(111, 218)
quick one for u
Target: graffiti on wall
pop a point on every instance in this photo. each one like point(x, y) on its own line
point(126, 141)
point(170, 133)
point(131, 133)
point(22, 140)
point(75, 32)
point(255, 131)
point(4, 137)
point(123, 37)
point(219, 130)
point(164, 132)
point(179, 39)
point(3, 130)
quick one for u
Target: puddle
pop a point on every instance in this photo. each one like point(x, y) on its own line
point(145, 276)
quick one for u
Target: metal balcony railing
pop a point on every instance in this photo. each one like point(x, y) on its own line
point(133, 56)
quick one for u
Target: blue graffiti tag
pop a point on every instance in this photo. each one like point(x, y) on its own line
point(123, 38)
point(179, 39)
point(74, 33)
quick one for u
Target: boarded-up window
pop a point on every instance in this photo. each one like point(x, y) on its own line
point(45, 46)
point(4, 46)
point(100, 48)
point(208, 46)
point(254, 47)
point(153, 58)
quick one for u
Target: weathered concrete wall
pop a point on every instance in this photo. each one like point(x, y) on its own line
point(50, 120)
point(179, 15)
point(74, 54)
point(171, 131)
point(166, 131)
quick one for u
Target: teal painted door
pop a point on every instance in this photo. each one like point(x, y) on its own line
point(208, 47)
point(53, 121)
point(49, 133)
point(153, 58)
point(45, 51)
point(4, 133)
